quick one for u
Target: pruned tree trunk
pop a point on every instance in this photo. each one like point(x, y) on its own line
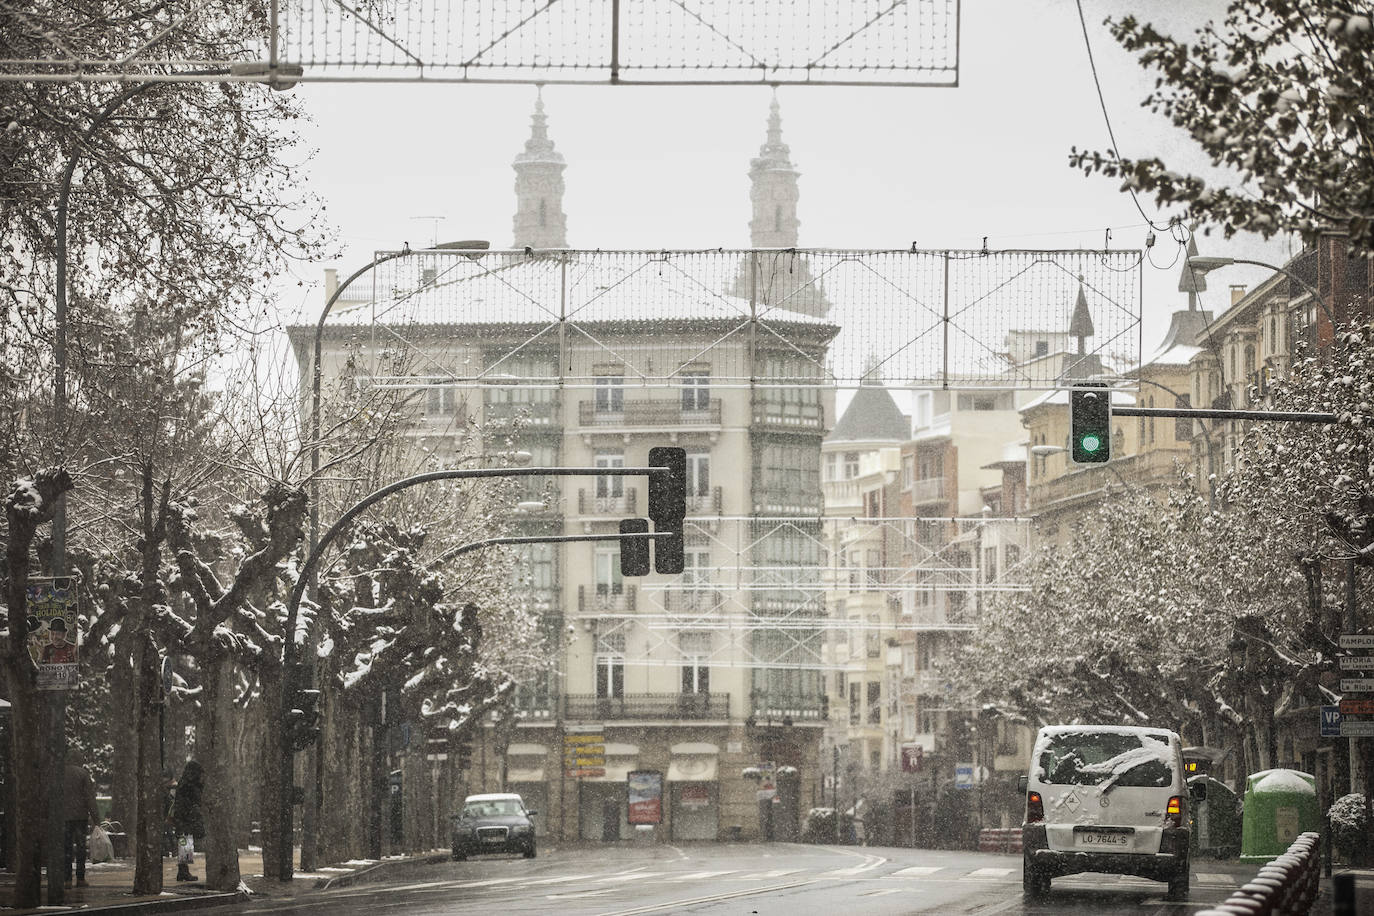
point(271, 761)
point(150, 815)
point(215, 751)
point(28, 506)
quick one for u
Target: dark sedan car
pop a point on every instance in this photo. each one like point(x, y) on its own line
point(493, 823)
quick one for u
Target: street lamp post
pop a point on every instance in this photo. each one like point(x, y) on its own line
point(1200, 265)
point(309, 813)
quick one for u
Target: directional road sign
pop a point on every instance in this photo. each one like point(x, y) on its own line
point(1357, 706)
point(1360, 729)
point(1357, 640)
point(1357, 685)
point(1357, 662)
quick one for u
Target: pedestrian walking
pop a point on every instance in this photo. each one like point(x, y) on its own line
point(187, 819)
point(80, 810)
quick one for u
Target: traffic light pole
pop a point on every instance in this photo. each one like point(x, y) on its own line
point(1203, 413)
point(291, 685)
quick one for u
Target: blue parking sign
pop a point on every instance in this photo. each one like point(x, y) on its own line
point(1331, 721)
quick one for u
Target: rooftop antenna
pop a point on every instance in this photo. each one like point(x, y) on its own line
point(433, 229)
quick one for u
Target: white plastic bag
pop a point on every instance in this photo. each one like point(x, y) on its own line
point(99, 845)
point(186, 850)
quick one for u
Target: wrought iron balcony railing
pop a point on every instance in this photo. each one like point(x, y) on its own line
point(694, 706)
point(656, 413)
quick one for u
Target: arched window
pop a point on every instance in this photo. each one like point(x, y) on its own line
point(543, 213)
point(1249, 360)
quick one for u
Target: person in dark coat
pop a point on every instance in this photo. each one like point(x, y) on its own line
point(187, 819)
point(78, 797)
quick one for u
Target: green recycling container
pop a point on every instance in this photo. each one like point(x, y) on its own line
point(1279, 805)
point(1216, 820)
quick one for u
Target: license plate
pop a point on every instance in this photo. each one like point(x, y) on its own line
point(493, 839)
point(1099, 838)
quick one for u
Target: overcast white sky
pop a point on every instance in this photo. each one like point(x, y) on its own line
point(666, 167)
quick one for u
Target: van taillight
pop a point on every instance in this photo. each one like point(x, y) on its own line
point(1035, 807)
point(1173, 815)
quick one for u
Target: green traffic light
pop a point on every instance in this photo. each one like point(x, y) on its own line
point(1090, 444)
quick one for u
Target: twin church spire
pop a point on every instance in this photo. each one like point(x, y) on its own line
point(541, 223)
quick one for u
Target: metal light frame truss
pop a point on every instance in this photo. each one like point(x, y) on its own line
point(779, 318)
point(805, 593)
point(642, 42)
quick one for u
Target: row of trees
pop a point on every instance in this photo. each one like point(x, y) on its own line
point(1202, 606)
point(184, 478)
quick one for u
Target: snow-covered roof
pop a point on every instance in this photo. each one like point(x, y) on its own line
point(494, 796)
point(1061, 396)
point(515, 290)
point(872, 416)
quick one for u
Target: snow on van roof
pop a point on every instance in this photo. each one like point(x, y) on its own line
point(494, 796)
point(1112, 729)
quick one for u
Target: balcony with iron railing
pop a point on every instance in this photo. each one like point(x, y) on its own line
point(792, 416)
point(692, 599)
point(604, 598)
point(928, 490)
point(707, 503)
point(649, 413)
point(618, 505)
point(640, 706)
point(1144, 469)
point(787, 501)
point(779, 709)
point(537, 414)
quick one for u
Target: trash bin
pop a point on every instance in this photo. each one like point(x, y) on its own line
point(1279, 805)
point(644, 834)
point(1216, 818)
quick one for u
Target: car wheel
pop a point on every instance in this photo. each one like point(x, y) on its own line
point(459, 855)
point(1178, 884)
point(529, 853)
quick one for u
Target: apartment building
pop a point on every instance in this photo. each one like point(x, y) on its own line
point(589, 359)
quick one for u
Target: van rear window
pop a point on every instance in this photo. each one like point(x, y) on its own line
point(1094, 758)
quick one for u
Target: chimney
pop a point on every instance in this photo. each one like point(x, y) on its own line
point(1237, 293)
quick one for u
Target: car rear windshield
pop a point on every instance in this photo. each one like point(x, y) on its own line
point(499, 807)
point(1095, 758)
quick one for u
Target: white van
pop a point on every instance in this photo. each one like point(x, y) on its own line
point(1105, 798)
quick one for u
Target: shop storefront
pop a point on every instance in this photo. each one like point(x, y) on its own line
point(603, 801)
point(694, 792)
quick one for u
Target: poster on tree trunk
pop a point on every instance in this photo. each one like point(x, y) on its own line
point(53, 636)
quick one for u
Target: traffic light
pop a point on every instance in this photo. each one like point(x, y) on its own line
point(304, 725)
point(1090, 423)
point(668, 506)
point(634, 552)
point(668, 492)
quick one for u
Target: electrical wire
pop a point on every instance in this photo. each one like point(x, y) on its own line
point(1097, 83)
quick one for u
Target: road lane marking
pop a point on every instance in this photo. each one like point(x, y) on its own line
point(698, 875)
point(561, 879)
point(916, 871)
point(761, 875)
point(489, 882)
point(1205, 877)
point(632, 876)
point(579, 894)
point(881, 893)
point(980, 873)
point(712, 898)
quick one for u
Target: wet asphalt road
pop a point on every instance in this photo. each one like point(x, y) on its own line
point(765, 879)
